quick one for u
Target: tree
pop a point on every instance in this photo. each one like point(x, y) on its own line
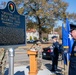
point(44, 13)
point(59, 30)
point(30, 37)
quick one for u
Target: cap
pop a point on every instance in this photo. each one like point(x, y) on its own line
point(72, 27)
point(54, 37)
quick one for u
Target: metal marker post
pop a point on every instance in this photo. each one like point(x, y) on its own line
point(11, 61)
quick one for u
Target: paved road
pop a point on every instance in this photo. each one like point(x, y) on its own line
point(21, 57)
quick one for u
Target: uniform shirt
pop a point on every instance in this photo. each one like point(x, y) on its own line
point(72, 65)
point(39, 49)
point(73, 53)
point(56, 48)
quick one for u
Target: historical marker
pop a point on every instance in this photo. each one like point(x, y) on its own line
point(12, 26)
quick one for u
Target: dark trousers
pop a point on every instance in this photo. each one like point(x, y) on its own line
point(54, 63)
point(72, 66)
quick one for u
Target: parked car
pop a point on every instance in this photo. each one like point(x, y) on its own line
point(48, 52)
point(32, 41)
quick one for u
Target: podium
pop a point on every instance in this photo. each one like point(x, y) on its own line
point(33, 62)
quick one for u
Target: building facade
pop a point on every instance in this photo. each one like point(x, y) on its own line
point(32, 34)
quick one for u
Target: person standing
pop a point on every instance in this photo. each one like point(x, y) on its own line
point(55, 53)
point(72, 64)
point(38, 47)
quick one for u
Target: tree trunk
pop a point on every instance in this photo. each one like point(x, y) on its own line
point(40, 33)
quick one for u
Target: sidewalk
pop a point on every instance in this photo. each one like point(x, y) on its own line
point(23, 70)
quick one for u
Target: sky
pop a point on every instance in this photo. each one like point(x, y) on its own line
point(5, 0)
point(72, 6)
point(70, 9)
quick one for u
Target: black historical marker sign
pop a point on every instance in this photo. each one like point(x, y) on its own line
point(12, 26)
